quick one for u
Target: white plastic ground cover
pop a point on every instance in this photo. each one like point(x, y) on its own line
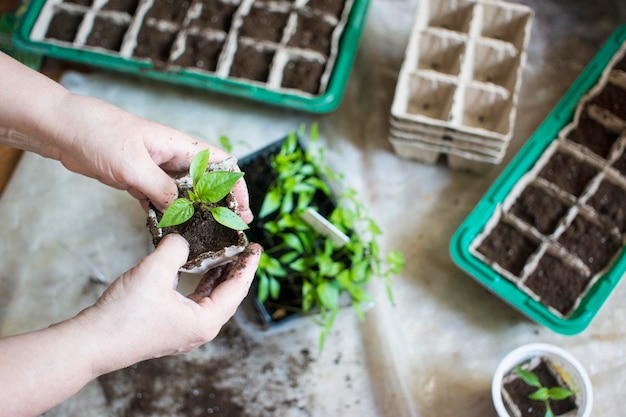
point(462, 74)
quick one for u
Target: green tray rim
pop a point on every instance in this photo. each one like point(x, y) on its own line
point(324, 103)
point(475, 222)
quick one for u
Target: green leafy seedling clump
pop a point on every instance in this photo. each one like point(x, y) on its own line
point(326, 268)
point(542, 393)
point(208, 189)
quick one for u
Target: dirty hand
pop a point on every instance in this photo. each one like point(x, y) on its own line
point(131, 153)
point(142, 316)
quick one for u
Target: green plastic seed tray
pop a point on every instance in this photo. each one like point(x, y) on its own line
point(291, 54)
point(548, 236)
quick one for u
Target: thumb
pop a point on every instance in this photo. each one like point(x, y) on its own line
point(170, 254)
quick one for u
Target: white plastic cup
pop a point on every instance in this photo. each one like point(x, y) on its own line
point(578, 378)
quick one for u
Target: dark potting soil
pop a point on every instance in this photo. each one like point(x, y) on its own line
point(331, 7)
point(64, 25)
point(216, 15)
point(264, 24)
point(107, 34)
point(203, 233)
point(508, 247)
point(200, 52)
point(613, 98)
point(540, 209)
point(128, 6)
point(169, 10)
point(593, 135)
point(558, 285)
point(609, 200)
point(251, 63)
point(594, 244)
point(313, 32)
point(154, 44)
point(519, 391)
point(568, 172)
point(303, 74)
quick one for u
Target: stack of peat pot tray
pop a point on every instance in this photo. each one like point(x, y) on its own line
point(457, 90)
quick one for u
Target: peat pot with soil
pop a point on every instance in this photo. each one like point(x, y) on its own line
point(321, 247)
point(541, 380)
point(205, 213)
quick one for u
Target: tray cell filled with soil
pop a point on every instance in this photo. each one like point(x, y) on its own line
point(303, 73)
point(64, 25)
point(107, 33)
point(540, 208)
point(313, 32)
point(200, 52)
point(568, 172)
point(558, 284)
point(264, 24)
point(508, 247)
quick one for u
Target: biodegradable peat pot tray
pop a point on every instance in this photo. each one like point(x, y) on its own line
point(554, 367)
point(548, 236)
point(290, 53)
point(457, 92)
point(210, 243)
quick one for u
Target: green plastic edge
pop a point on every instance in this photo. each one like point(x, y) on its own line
point(325, 103)
point(8, 24)
point(522, 163)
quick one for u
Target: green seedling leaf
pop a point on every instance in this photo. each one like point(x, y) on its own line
point(199, 165)
point(528, 377)
point(271, 203)
point(213, 186)
point(542, 394)
point(293, 242)
point(177, 213)
point(328, 295)
point(274, 288)
point(264, 287)
point(226, 144)
point(559, 393)
point(228, 218)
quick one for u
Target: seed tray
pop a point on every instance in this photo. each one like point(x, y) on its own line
point(460, 78)
point(558, 209)
point(290, 53)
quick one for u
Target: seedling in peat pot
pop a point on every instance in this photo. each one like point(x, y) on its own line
point(208, 189)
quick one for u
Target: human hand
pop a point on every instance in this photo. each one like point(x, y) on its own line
point(142, 315)
point(131, 153)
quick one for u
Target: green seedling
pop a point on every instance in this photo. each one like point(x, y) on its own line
point(542, 393)
point(327, 268)
point(208, 189)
